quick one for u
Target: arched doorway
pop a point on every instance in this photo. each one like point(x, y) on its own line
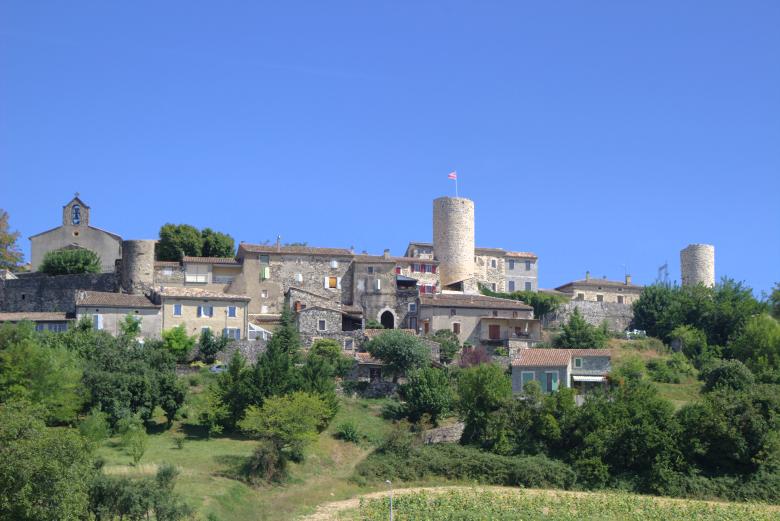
point(387, 320)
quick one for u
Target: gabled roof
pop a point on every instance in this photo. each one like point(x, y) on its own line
point(76, 200)
point(211, 260)
point(198, 293)
point(112, 300)
point(463, 300)
point(299, 250)
point(538, 357)
point(595, 283)
point(88, 226)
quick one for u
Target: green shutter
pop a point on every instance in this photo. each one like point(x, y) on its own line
point(555, 381)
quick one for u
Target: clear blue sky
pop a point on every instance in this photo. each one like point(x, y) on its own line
point(596, 134)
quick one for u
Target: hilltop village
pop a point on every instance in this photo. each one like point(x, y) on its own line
point(334, 293)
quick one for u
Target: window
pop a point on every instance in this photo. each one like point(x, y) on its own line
point(599, 298)
point(264, 259)
point(299, 277)
point(578, 363)
point(349, 344)
point(492, 263)
point(40, 326)
point(528, 286)
point(264, 293)
point(413, 323)
point(426, 327)
point(334, 263)
point(493, 286)
point(196, 273)
point(231, 311)
point(525, 377)
point(177, 310)
point(511, 264)
point(206, 311)
point(580, 296)
point(518, 331)
point(265, 272)
point(332, 282)
point(511, 285)
point(514, 314)
point(527, 265)
point(232, 332)
point(398, 270)
point(620, 299)
point(370, 270)
point(552, 381)
point(205, 328)
point(452, 312)
point(97, 321)
point(456, 328)
point(378, 284)
point(412, 307)
point(495, 313)
point(321, 325)
point(430, 268)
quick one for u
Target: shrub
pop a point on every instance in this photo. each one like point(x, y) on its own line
point(670, 370)
point(178, 441)
point(577, 333)
point(726, 374)
point(177, 341)
point(94, 427)
point(134, 437)
point(267, 464)
point(428, 391)
point(347, 431)
point(373, 324)
point(68, 261)
point(400, 351)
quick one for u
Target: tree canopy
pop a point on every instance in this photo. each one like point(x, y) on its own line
point(179, 240)
point(11, 255)
point(70, 260)
point(579, 334)
point(400, 351)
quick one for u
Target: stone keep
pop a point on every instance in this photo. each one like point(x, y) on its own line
point(697, 265)
point(137, 266)
point(453, 239)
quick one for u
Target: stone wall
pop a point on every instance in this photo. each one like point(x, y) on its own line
point(697, 265)
point(618, 316)
point(453, 238)
point(137, 266)
point(39, 292)
point(488, 274)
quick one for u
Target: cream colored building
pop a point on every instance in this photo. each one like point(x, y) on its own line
point(108, 310)
point(602, 290)
point(199, 309)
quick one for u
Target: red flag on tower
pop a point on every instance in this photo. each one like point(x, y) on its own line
point(452, 175)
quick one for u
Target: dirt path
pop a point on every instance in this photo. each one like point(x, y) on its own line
point(329, 511)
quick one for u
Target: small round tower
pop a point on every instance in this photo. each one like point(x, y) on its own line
point(697, 265)
point(137, 273)
point(453, 239)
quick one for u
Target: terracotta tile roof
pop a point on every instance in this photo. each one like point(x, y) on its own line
point(537, 357)
point(113, 300)
point(198, 293)
point(34, 316)
point(594, 283)
point(471, 301)
point(499, 252)
point(211, 260)
point(300, 250)
point(522, 254)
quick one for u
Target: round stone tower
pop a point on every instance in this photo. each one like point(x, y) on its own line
point(697, 265)
point(453, 239)
point(137, 266)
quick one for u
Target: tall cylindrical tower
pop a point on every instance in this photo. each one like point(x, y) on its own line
point(453, 239)
point(697, 265)
point(137, 266)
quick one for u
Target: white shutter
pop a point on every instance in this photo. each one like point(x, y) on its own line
point(325, 283)
point(378, 284)
point(97, 321)
point(361, 285)
point(338, 283)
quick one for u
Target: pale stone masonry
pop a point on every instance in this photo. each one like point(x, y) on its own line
point(602, 290)
point(697, 265)
point(453, 239)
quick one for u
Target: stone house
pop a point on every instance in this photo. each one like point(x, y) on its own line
point(602, 290)
point(76, 232)
point(521, 271)
point(556, 368)
point(108, 310)
point(43, 320)
point(199, 309)
point(480, 320)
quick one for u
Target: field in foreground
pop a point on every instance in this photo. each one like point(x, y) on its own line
point(500, 503)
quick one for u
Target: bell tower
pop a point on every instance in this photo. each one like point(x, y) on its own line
point(75, 213)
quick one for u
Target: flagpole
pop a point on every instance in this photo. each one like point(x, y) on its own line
point(456, 187)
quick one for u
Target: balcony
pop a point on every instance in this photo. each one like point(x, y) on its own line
point(222, 279)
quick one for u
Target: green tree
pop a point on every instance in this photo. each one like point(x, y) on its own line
point(45, 473)
point(774, 301)
point(578, 334)
point(449, 345)
point(428, 391)
point(543, 303)
point(209, 345)
point(727, 374)
point(232, 394)
point(48, 375)
point(631, 368)
point(693, 341)
point(482, 390)
point(172, 393)
point(178, 240)
point(130, 327)
point(67, 261)
point(290, 422)
point(651, 310)
point(10, 255)
point(400, 351)
point(177, 341)
point(133, 437)
point(217, 244)
point(94, 427)
point(275, 371)
point(331, 351)
point(758, 346)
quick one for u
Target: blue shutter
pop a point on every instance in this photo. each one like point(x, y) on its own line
point(200, 311)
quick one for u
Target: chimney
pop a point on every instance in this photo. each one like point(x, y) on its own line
point(628, 280)
point(386, 254)
point(587, 275)
point(278, 243)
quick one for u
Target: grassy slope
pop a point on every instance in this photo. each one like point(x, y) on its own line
point(206, 466)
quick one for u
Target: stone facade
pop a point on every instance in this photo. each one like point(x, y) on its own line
point(453, 239)
point(76, 232)
point(521, 272)
point(617, 316)
point(697, 265)
point(110, 319)
point(137, 266)
point(200, 309)
point(40, 292)
point(602, 290)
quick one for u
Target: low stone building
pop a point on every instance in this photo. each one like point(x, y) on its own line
point(44, 321)
point(480, 320)
point(76, 232)
point(602, 290)
point(199, 309)
point(108, 310)
point(560, 368)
